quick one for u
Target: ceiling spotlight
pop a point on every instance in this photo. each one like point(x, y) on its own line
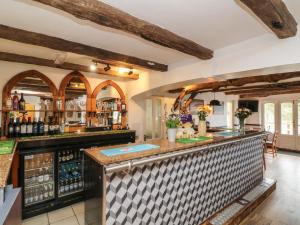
point(130, 72)
point(107, 68)
point(93, 66)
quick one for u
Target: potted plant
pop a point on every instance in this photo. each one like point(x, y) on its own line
point(242, 114)
point(172, 123)
point(203, 112)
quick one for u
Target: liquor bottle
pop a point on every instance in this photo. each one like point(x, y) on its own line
point(11, 128)
point(15, 101)
point(9, 103)
point(56, 126)
point(22, 103)
point(51, 126)
point(24, 127)
point(29, 127)
point(62, 127)
point(35, 128)
point(46, 126)
point(41, 127)
point(17, 128)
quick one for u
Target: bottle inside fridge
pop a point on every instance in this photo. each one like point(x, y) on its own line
point(70, 172)
point(39, 178)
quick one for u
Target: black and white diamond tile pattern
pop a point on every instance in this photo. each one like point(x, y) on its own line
point(185, 190)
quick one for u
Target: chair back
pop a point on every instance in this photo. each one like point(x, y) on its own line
point(275, 139)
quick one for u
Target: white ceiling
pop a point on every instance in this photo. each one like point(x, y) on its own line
point(211, 23)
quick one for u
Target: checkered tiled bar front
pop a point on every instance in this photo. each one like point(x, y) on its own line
point(183, 190)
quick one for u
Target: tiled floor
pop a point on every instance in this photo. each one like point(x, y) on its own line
point(281, 208)
point(72, 215)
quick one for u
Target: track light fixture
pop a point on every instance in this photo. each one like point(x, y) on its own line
point(107, 68)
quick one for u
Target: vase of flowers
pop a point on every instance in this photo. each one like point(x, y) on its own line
point(242, 114)
point(203, 112)
point(172, 123)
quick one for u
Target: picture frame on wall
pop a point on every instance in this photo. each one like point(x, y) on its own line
point(219, 110)
point(195, 104)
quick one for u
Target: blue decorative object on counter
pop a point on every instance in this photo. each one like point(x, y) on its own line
point(129, 149)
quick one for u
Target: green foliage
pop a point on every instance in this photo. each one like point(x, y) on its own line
point(173, 121)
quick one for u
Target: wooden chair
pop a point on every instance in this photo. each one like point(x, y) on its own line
point(270, 146)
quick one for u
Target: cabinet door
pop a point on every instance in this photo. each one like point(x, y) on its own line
point(39, 184)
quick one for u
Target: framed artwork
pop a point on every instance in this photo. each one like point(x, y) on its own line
point(219, 110)
point(195, 104)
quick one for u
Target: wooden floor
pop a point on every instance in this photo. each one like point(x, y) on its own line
point(283, 206)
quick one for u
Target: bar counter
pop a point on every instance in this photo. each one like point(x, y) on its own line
point(173, 184)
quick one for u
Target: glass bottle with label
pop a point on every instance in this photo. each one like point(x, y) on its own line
point(29, 127)
point(22, 103)
point(17, 128)
point(24, 127)
point(15, 101)
point(11, 128)
point(35, 128)
point(41, 127)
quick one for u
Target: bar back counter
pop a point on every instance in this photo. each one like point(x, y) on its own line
point(50, 168)
point(174, 184)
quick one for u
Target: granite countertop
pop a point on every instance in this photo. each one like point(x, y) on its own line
point(73, 135)
point(5, 165)
point(165, 147)
point(6, 159)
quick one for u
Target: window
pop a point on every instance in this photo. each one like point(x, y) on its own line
point(269, 117)
point(286, 114)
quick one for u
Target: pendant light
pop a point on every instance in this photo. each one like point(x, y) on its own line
point(214, 102)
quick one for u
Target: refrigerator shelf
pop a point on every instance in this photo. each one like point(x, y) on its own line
point(42, 167)
point(39, 184)
point(70, 193)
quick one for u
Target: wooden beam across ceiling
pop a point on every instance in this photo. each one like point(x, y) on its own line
point(28, 37)
point(275, 15)
point(10, 57)
point(237, 82)
point(103, 14)
point(269, 93)
point(216, 85)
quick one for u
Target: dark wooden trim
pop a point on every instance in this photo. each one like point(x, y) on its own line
point(10, 57)
point(28, 37)
point(106, 15)
point(275, 15)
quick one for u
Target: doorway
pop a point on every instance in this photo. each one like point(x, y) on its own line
point(284, 117)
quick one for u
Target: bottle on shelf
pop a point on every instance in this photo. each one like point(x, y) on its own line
point(51, 126)
point(41, 127)
point(9, 103)
point(62, 127)
point(22, 103)
point(35, 127)
point(11, 128)
point(29, 127)
point(46, 126)
point(17, 128)
point(15, 101)
point(24, 127)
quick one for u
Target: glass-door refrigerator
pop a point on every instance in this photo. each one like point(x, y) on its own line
point(38, 180)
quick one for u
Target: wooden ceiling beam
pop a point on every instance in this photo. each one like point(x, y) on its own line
point(275, 15)
point(266, 93)
point(237, 82)
point(121, 60)
point(103, 14)
point(10, 57)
